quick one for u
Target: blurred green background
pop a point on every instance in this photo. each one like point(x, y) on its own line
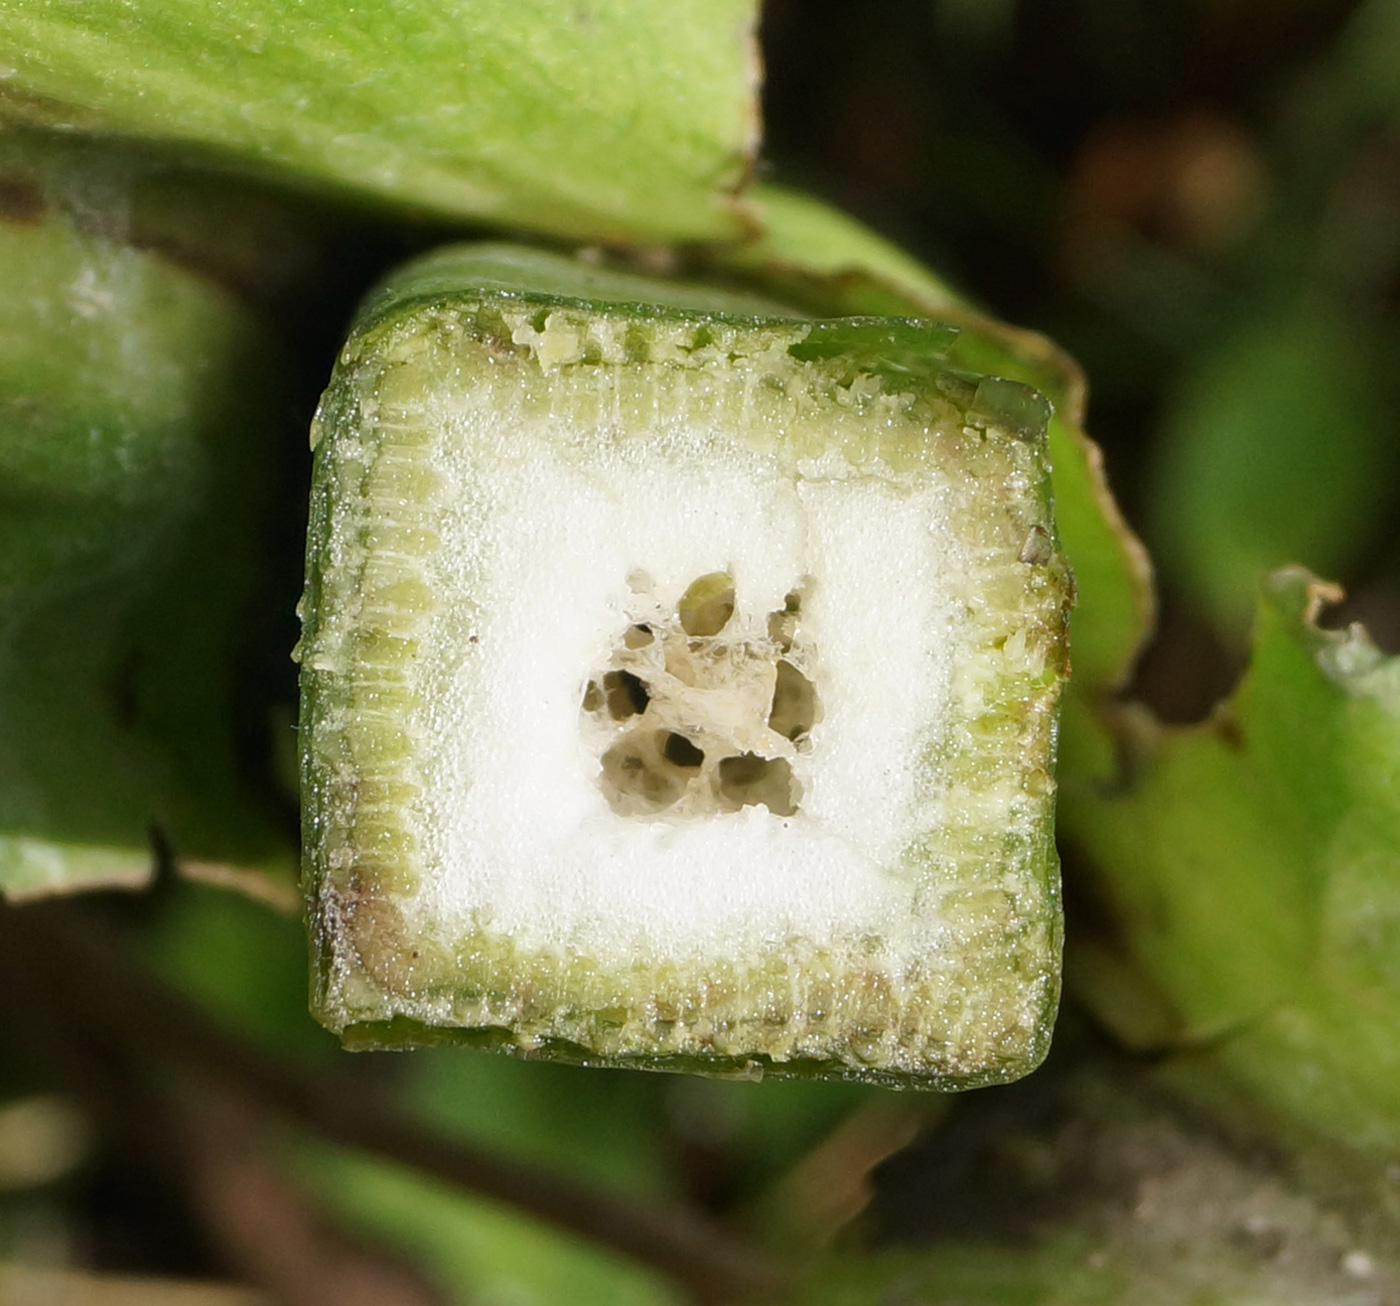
point(1201, 201)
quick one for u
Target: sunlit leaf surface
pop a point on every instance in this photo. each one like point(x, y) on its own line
point(603, 122)
point(1252, 865)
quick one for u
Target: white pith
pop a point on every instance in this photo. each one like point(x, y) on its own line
point(542, 546)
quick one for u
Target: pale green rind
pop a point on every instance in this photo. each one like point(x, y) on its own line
point(1253, 866)
point(128, 389)
point(626, 121)
point(511, 271)
point(386, 974)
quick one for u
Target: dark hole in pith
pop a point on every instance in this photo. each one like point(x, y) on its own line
point(747, 780)
point(626, 695)
point(795, 709)
point(639, 780)
point(679, 751)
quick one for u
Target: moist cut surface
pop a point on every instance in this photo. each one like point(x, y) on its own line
point(679, 693)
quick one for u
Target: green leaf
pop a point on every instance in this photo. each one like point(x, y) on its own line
point(136, 402)
point(973, 1274)
point(1367, 52)
point(1277, 450)
point(608, 1126)
point(245, 964)
point(812, 249)
point(477, 1251)
point(622, 1129)
point(624, 121)
point(1252, 867)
